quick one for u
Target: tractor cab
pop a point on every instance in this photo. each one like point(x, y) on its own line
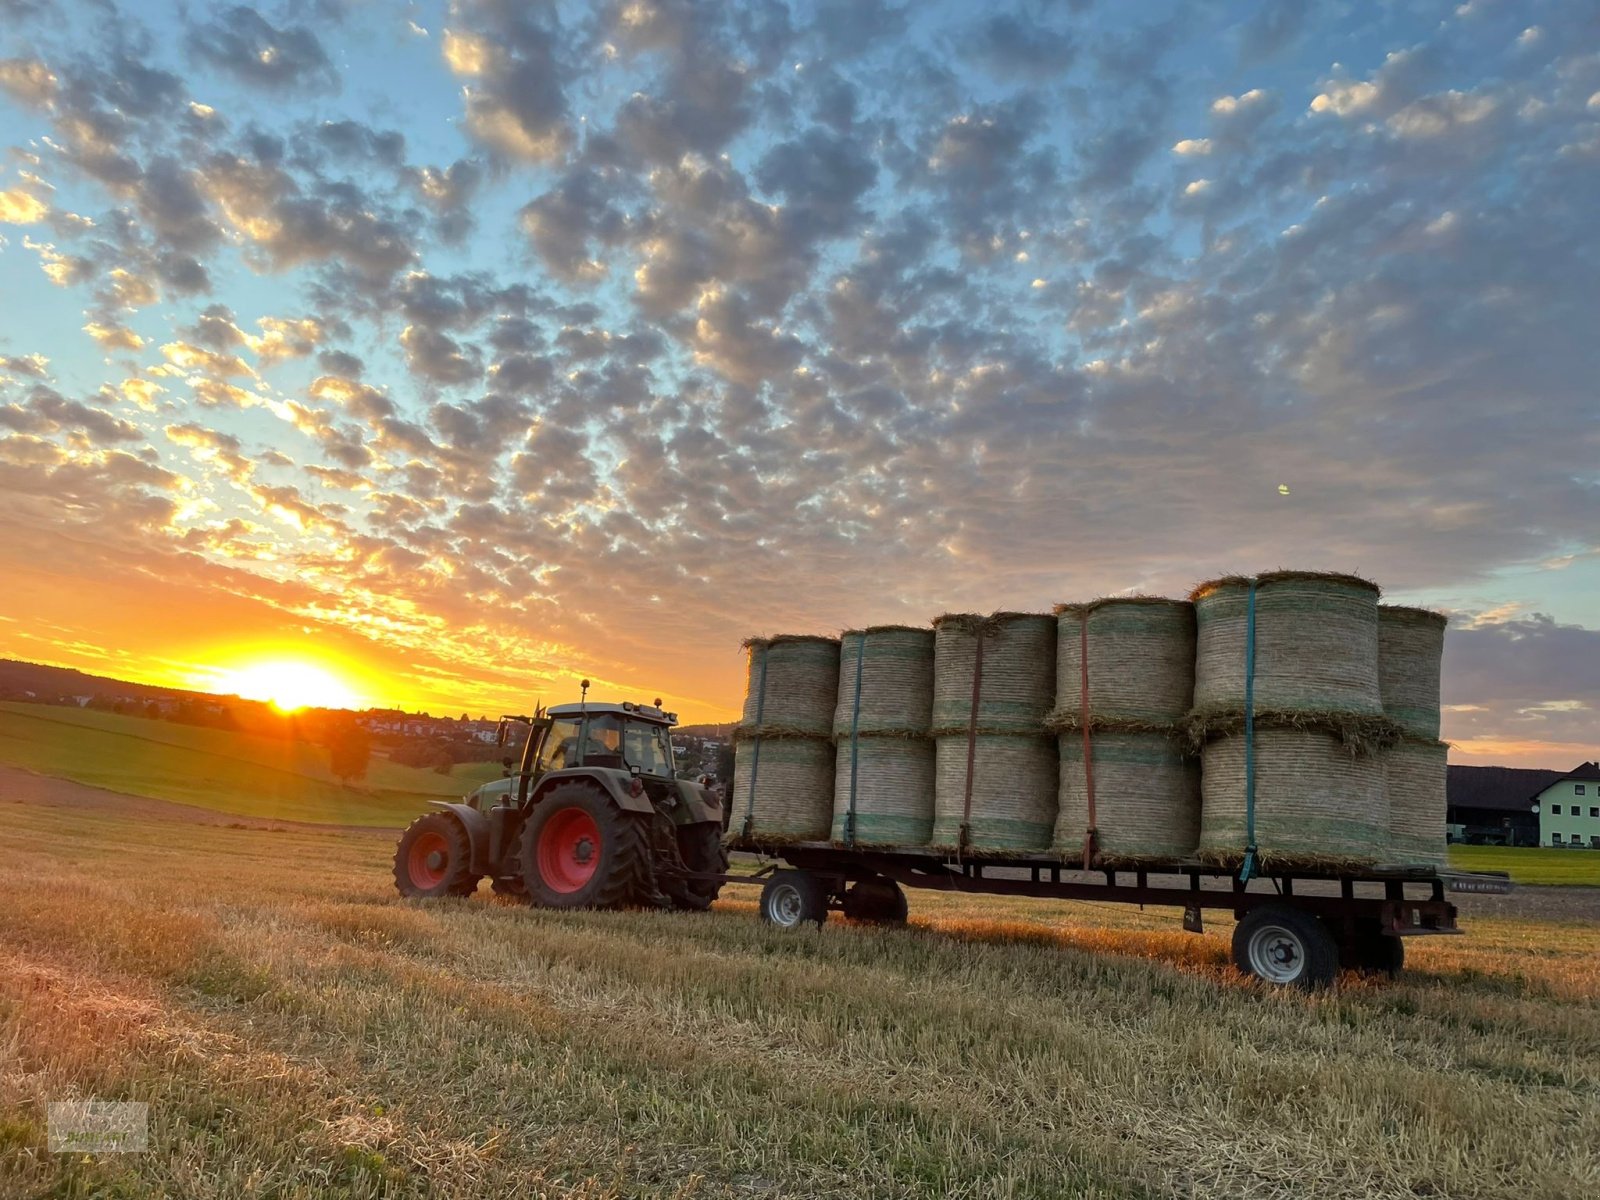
point(618, 737)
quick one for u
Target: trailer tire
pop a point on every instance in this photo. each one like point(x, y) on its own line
point(791, 898)
point(1374, 952)
point(876, 902)
point(1285, 946)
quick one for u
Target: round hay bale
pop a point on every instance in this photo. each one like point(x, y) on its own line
point(1141, 660)
point(1317, 804)
point(792, 796)
point(896, 663)
point(801, 684)
point(1316, 643)
point(1414, 774)
point(1013, 793)
point(1019, 671)
point(1147, 797)
point(1410, 649)
point(894, 791)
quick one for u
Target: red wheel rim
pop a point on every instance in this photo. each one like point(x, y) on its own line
point(428, 860)
point(569, 850)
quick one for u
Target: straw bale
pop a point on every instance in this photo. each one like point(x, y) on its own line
point(1013, 793)
point(894, 791)
point(802, 683)
point(793, 794)
point(1414, 775)
point(1317, 804)
point(1147, 797)
point(896, 680)
point(1316, 643)
point(1019, 660)
point(1141, 659)
point(1410, 648)
point(1358, 732)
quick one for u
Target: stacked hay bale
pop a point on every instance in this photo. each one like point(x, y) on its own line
point(784, 757)
point(883, 782)
point(1129, 790)
point(1318, 723)
point(995, 763)
point(1410, 649)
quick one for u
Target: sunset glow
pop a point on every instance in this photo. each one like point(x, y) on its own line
point(288, 686)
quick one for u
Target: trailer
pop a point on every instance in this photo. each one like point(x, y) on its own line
point(1295, 928)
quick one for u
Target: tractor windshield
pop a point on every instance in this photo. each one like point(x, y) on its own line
point(647, 747)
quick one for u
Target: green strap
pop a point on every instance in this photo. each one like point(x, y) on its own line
point(1248, 870)
point(755, 753)
point(855, 744)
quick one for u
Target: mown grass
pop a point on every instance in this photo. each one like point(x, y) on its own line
point(1532, 864)
point(224, 771)
point(300, 1032)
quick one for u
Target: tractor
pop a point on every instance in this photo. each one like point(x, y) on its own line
point(594, 817)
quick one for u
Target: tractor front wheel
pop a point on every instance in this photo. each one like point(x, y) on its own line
point(434, 858)
point(579, 850)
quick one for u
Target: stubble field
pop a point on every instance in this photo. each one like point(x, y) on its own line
point(299, 1032)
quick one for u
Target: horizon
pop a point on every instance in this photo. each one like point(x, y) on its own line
point(437, 356)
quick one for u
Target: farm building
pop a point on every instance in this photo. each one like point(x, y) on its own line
point(1569, 808)
point(1495, 805)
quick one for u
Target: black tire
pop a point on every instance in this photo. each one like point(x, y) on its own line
point(876, 902)
point(700, 846)
point(434, 858)
point(1285, 946)
point(792, 898)
point(1374, 952)
point(576, 813)
point(511, 887)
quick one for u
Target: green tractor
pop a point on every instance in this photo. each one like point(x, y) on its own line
point(594, 817)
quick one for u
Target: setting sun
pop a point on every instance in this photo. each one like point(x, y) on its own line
point(289, 685)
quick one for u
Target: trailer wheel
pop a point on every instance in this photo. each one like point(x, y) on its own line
point(1374, 952)
point(434, 858)
point(876, 902)
point(1285, 946)
point(791, 898)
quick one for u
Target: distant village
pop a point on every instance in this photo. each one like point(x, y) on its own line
point(411, 739)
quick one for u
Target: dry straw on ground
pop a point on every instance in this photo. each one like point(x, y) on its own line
point(1141, 653)
point(1317, 804)
point(1316, 642)
point(792, 794)
point(1414, 774)
point(896, 678)
point(893, 791)
point(1013, 793)
point(1410, 649)
point(1018, 685)
point(800, 687)
point(1147, 797)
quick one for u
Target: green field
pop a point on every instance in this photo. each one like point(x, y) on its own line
point(298, 1032)
point(228, 772)
point(1532, 864)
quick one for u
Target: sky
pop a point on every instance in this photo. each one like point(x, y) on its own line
point(467, 349)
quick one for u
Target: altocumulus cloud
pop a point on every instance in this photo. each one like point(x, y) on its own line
point(587, 341)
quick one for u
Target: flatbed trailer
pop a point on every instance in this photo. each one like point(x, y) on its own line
point(1295, 927)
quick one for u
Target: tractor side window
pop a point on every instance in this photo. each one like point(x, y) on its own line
point(647, 748)
point(560, 747)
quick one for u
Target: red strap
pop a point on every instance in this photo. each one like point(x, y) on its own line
point(972, 736)
point(1091, 836)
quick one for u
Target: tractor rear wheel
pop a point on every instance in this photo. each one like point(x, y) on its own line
point(434, 858)
point(579, 850)
point(702, 851)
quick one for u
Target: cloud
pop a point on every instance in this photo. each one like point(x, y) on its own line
point(242, 43)
point(516, 104)
point(18, 207)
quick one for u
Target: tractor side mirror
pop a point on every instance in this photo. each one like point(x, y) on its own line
point(500, 735)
